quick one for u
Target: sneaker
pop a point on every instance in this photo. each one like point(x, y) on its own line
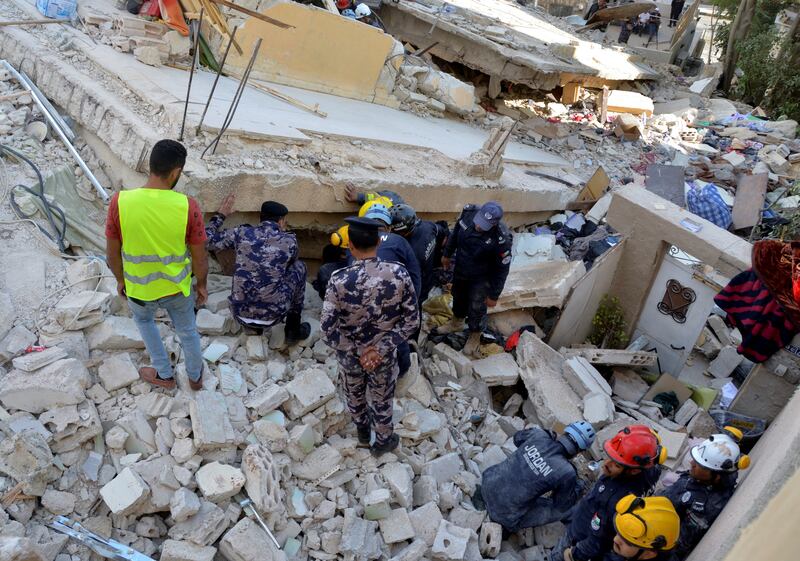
point(364, 435)
point(150, 375)
point(294, 334)
point(391, 443)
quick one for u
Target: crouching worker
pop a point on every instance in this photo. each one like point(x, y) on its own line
point(513, 491)
point(700, 495)
point(269, 282)
point(631, 467)
point(647, 528)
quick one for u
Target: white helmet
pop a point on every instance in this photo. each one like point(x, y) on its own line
point(720, 452)
point(362, 11)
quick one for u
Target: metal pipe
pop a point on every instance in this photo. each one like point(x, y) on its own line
point(216, 79)
point(195, 61)
point(54, 124)
point(37, 92)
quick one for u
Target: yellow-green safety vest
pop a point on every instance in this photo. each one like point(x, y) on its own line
point(155, 258)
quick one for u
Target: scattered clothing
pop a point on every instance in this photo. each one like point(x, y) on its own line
point(706, 202)
point(269, 281)
point(513, 490)
point(777, 264)
point(371, 303)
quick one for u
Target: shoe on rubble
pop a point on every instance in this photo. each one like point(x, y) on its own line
point(391, 443)
point(150, 375)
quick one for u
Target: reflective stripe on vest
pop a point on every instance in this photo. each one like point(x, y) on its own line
point(155, 259)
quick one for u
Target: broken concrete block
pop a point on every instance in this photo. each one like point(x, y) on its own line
point(183, 449)
point(273, 436)
point(263, 480)
point(141, 438)
point(548, 535)
point(399, 478)
point(266, 398)
point(219, 481)
point(14, 548)
point(426, 520)
point(7, 314)
point(211, 424)
point(204, 528)
point(396, 527)
point(115, 333)
point(598, 409)
point(154, 404)
point(686, 411)
point(174, 550)
point(60, 383)
point(376, 504)
point(209, 323)
point(115, 437)
point(702, 425)
point(117, 371)
point(584, 378)
point(463, 365)
point(307, 391)
point(414, 552)
point(15, 342)
point(359, 536)
point(71, 425)
point(183, 504)
point(726, 362)
point(497, 370)
point(34, 361)
point(125, 492)
point(317, 463)
point(444, 468)
point(58, 502)
point(720, 329)
point(491, 538)
point(450, 542)
point(247, 541)
point(628, 385)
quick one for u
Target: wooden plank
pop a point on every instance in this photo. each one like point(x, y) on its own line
point(622, 12)
point(749, 201)
point(666, 182)
point(253, 13)
point(290, 100)
point(32, 22)
point(219, 23)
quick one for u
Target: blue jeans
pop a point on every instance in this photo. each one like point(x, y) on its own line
point(181, 311)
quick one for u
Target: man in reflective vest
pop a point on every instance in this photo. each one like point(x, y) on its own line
point(155, 243)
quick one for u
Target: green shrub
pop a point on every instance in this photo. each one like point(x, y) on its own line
point(609, 328)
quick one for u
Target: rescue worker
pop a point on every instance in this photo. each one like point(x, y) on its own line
point(427, 240)
point(364, 15)
point(647, 528)
point(482, 246)
point(334, 257)
point(370, 308)
point(513, 490)
point(385, 197)
point(155, 243)
point(700, 494)
point(634, 454)
point(269, 282)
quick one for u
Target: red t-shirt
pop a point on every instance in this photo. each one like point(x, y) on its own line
point(195, 227)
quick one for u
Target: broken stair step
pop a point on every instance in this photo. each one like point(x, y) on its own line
point(612, 357)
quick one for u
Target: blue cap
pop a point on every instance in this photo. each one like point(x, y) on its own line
point(488, 216)
point(379, 212)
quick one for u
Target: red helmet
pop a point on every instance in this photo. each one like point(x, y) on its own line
point(343, 4)
point(636, 446)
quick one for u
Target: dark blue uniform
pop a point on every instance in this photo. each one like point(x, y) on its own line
point(482, 263)
point(698, 505)
point(513, 490)
point(590, 529)
point(426, 240)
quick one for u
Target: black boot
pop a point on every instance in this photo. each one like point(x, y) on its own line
point(296, 331)
point(364, 435)
point(390, 444)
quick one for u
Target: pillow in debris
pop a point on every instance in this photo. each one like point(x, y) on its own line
point(707, 203)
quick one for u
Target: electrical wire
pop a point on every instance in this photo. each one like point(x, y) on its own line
point(51, 211)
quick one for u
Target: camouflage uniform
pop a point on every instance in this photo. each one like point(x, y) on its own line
point(370, 303)
point(269, 281)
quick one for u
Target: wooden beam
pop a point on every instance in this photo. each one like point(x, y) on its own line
point(32, 22)
point(290, 100)
point(253, 13)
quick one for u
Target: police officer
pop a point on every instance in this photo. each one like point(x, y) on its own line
point(269, 282)
point(631, 468)
point(370, 308)
point(700, 494)
point(513, 489)
point(482, 245)
point(426, 239)
point(646, 528)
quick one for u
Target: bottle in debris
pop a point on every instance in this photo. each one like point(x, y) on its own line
point(58, 9)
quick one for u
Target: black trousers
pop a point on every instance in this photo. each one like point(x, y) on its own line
point(469, 301)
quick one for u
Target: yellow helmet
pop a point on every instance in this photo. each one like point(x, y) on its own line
point(648, 522)
point(341, 238)
point(385, 201)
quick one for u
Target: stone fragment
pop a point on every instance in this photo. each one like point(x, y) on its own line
point(174, 550)
point(444, 468)
point(497, 370)
point(209, 323)
point(115, 333)
point(686, 411)
point(426, 490)
point(726, 362)
point(451, 542)
point(117, 371)
point(414, 552)
point(148, 55)
point(426, 520)
point(396, 527)
point(462, 364)
point(317, 463)
point(376, 504)
point(116, 437)
point(467, 518)
point(719, 328)
point(125, 492)
point(60, 383)
point(266, 398)
point(154, 404)
point(548, 534)
point(35, 360)
point(141, 438)
point(183, 449)
point(204, 528)
point(71, 425)
point(359, 536)
point(15, 342)
point(183, 504)
point(628, 385)
point(272, 435)
point(263, 480)
point(702, 425)
point(307, 391)
point(26, 458)
point(14, 548)
point(399, 479)
point(491, 537)
point(584, 378)
point(247, 541)
point(598, 409)
point(58, 502)
point(211, 424)
point(219, 481)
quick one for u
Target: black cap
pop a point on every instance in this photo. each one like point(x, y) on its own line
point(363, 224)
point(273, 209)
